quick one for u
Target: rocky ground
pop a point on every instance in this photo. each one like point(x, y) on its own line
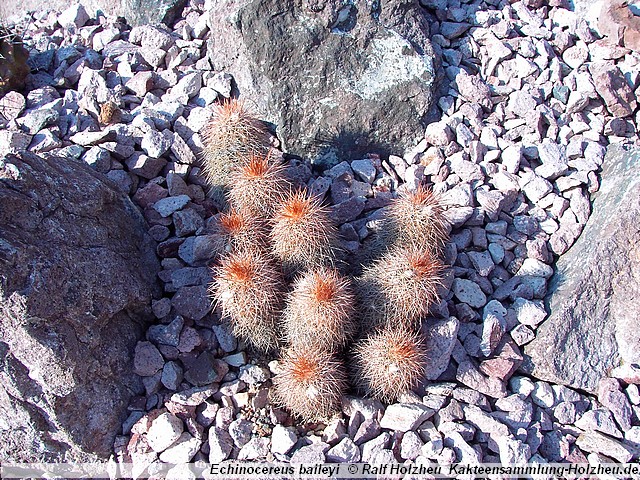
point(532, 99)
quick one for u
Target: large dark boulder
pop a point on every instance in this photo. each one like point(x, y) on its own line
point(338, 79)
point(594, 327)
point(77, 274)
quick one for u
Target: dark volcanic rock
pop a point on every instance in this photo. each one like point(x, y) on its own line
point(77, 273)
point(595, 294)
point(338, 80)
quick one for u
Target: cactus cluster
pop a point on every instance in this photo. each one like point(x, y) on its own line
point(280, 286)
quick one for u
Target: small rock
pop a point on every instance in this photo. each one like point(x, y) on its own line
point(171, 375)
point(310, 454)
point(282, 439)
point(192, 302)
point(164, 431)
point(528, 312)
point(542, 395)
point(534, 267)
point(411, 446)
point(155, 144)
point(513, 451)
point(469, 292)
point(169, 205)
point(599, 443)
point(147, 359)
point(345, 451)
point(74, 16)
point(182, 451)
point(240, 431)
point(404, 416)
point(206, 369)
point(438, 134)
point(364, 169)
point(220, 445)
point(253, 374)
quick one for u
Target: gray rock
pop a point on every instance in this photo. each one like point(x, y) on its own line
point(171, 375)
point(599, 443)
point(542, 395)
point(345, 451)
point(359, 101)
point(78, 274)
point(513, 451)
point(206, 369)
point(594, 293)
point(613, 88)
point(464, 452)
point(521, 103)
point(188, 86)
point(368, 429)
point(522, 334)
point(166, 334)
point(192, 302)
point(528, 312)
point(74, 16)
point(194, 396)
point(535, 268)
point(220, 444)
point(282, 439)
point(144, 166)
point(187, 222)
point(493, 327)
point(438, 134)
point(169, 205)
point(469, 375)
point(616, 401)
point(164, 431)
point(374, 446)
point(314, 453)
point(35, 120)
point(253, 374)
point(155, 144)
point(440, 338)
point(225, 337)
point(403, 417)
point(536, 188)
point(13, 142)
point(482, 262)
point(565, 413)
point(240, 431)
point(484, 422)
point(98, 158)
point(411, 446)
point(553, 158)
point(364, 169)
point(182, 451)
point(469, 292)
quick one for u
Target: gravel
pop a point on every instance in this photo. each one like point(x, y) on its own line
point(515, 153)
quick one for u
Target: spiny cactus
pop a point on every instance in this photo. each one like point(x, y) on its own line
point(389, 362)
point(320, 310)
point(399, 288)
point(238, 230)
point(310, 384)
point(249, 289)
point(415, 218)
point(230, 139)
point(258, 186)
point(303, 235)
